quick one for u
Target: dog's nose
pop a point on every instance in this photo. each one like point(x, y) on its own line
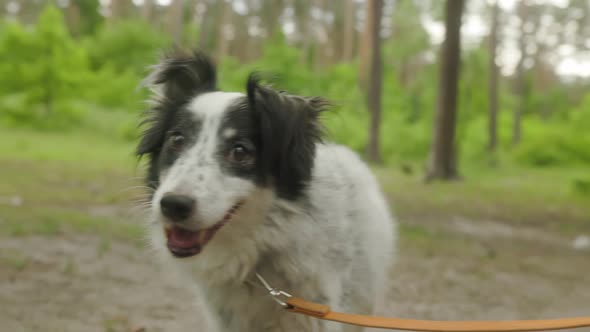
point(177, 207)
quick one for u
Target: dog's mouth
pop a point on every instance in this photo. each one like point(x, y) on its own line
point(186, 243)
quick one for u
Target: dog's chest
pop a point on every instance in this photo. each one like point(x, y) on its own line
point(250, 309)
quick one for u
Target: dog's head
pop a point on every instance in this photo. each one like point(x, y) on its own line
point(211, 153)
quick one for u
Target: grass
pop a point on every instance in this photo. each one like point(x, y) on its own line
point(104, 246)
point(51, 221)
point(70, 267)
point(14, 259)
point(62, 177)
point(529, 197)
point(76, 148)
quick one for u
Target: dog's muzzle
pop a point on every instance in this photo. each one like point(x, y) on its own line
point(183, 242)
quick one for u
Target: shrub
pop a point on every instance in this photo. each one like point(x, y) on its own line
point(41, 69)
point(126, 46)
point(552, 145)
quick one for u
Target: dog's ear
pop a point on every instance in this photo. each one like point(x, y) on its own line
point(173, 82)
point(289, 129)
point(181, 75)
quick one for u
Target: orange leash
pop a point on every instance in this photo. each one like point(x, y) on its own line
point(321, 311)
point(300, 306)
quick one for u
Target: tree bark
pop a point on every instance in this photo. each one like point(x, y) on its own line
point(493, 81)
point(118, 9)
point(176, 20)
point(320, 46)
point(348, 39)
point(146, 10)
point(205, 26)
point(222, 38)
point(520, 77)
point(73, 18)
point(302, 14)
point(333, 51)
point(366, 47)
point(252, 47)
point(375, 81)
point(271, 12)
point(443, 156)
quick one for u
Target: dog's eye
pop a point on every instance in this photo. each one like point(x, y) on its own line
point(239, 154)
point(177, 141)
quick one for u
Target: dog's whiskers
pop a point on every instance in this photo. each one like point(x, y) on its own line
point(139, 187)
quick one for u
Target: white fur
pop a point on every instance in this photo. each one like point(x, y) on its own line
point(334, 246)
point(229, 133)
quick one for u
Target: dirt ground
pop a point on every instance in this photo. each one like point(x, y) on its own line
point(461, 269)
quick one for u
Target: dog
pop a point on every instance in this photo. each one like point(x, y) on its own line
point(243, 183)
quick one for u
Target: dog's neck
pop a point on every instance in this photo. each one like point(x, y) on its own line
point(227, 268)
point(245, 245)
point(241, 304)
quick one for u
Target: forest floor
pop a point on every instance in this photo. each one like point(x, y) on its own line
point(73, 258)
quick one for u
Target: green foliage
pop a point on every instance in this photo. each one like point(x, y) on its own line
point(408, 111)
point(120, 56)
point(408, 29)
point(116, 90)
point(89, 11)
point(49, 80)
point(552, 145)
point(126, 46)
point(581, 186)
point(349, 119)
point(41, 69)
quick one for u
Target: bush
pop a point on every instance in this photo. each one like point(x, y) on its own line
point(48, 80)
point(116, 90)
point(40, 70)
point(552, 145)
point(581, 186)
point(126, 46)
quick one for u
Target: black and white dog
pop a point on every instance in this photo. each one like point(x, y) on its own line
point(243, 184)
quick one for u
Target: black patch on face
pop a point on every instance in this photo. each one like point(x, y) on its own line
point(278, 130)
point(180, 77)
point(184, 124)
point(287, 130)
point(239, 118)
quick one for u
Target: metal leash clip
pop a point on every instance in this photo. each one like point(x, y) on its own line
point(275, 293)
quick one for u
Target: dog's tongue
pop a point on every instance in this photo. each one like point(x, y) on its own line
point(182, 238)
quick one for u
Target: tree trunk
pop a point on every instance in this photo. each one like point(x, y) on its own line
point(520, 77)
point(176, 20)
point(205, 26)
point(366, 47)
point(348, 39)
point(222, 37)
point(443, 155)
point(493, 82)
point(73, 18)
point(252, 46)
point(271, 12)
point(375, 78)
point(146, 10)
point(117, 8)
point(301, 8)
point(334, 32)
point(320, 46)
